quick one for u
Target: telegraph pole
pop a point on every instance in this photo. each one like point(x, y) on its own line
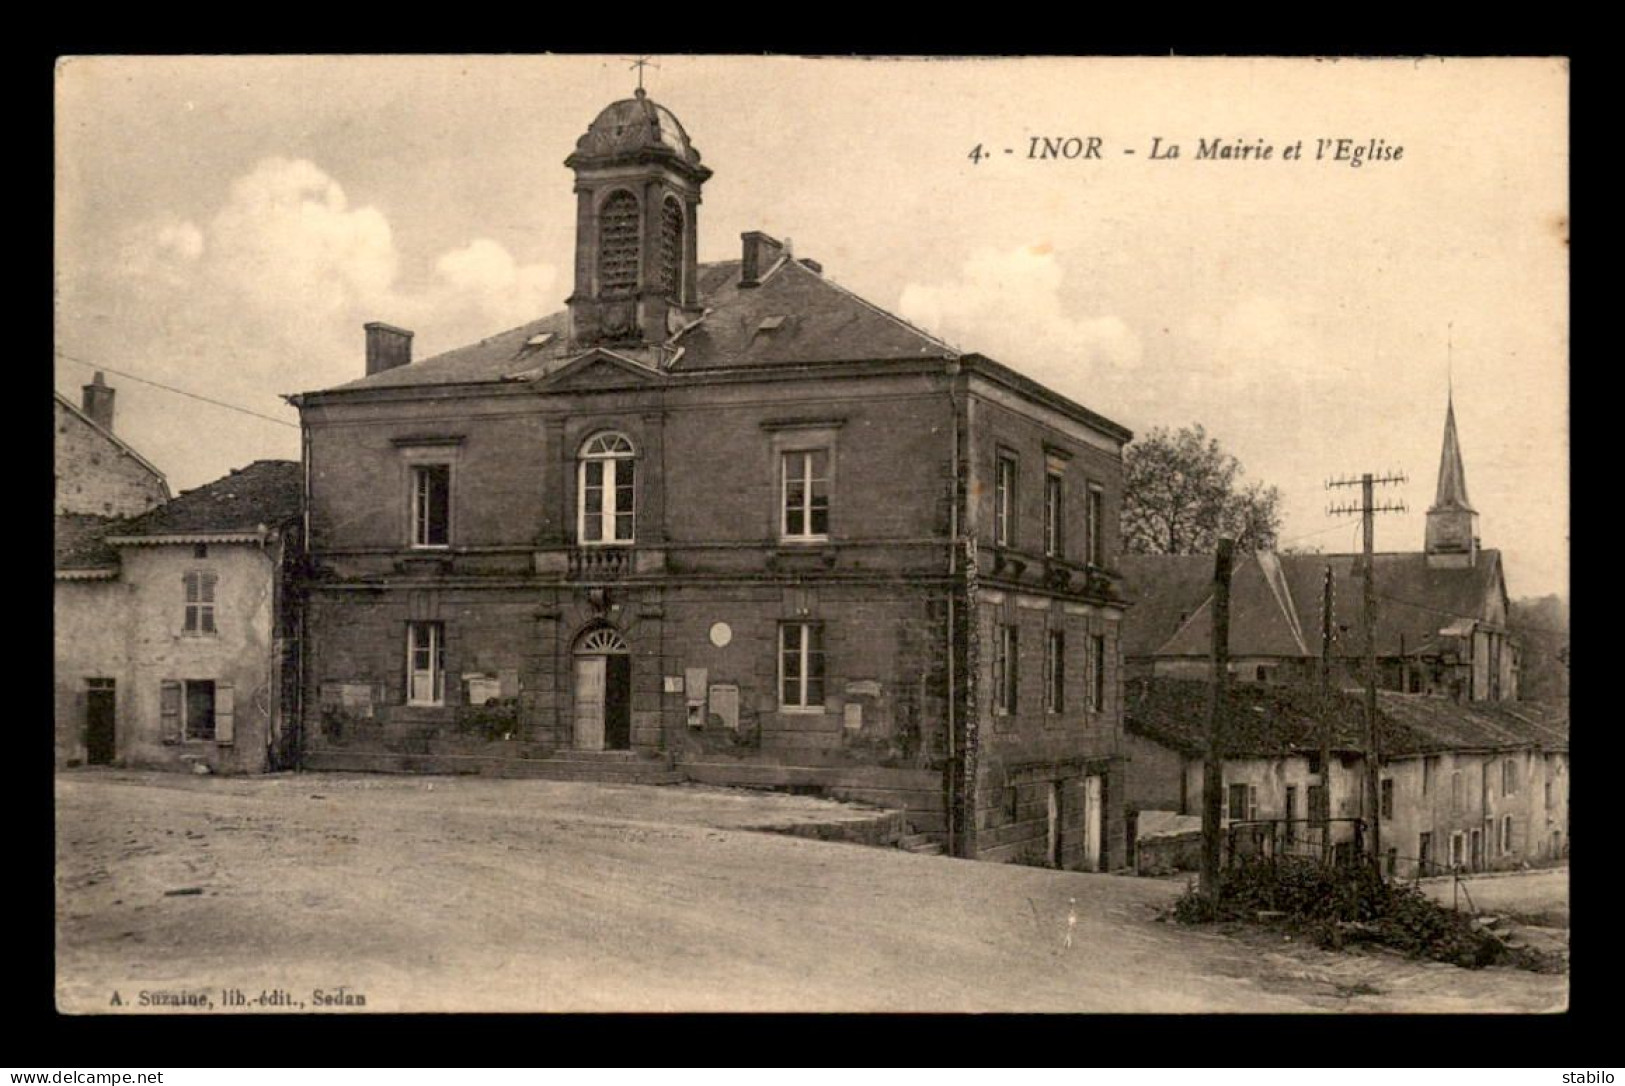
point(1324, 811)
point(1368, 628)
point(1213, 768)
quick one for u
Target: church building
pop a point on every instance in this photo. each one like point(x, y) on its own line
point(724, 522)
point(1441, 623)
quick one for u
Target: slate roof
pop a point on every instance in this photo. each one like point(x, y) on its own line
point(1269, 721)
point(266, 492)
point(1268, 613)
point(818, 321)
point(81, 542)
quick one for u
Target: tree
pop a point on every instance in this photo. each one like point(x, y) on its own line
point(1182, 491)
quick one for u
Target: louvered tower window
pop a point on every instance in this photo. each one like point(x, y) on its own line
point(671, 248)
point(618, 245)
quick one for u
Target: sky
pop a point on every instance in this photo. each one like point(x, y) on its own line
point(226, 225)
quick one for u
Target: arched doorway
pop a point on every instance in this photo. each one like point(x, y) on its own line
point(603, 691)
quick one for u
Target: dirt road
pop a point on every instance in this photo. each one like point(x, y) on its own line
point(420, 894)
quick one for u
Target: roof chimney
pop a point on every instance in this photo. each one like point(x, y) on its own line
point(387, 347)
point(98, 402)
point(760, 252)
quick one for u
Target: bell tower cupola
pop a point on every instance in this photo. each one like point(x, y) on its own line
point(637, 187)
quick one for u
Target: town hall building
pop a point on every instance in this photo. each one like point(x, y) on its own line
point(725, 522)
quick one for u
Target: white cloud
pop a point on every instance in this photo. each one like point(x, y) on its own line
point(1008, 305)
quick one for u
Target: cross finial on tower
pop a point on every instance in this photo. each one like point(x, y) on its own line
point(640, 63)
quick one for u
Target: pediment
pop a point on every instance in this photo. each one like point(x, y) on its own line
point(599, 369)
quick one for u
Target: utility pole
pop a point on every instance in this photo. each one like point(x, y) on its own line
point(1368, 626)
point(1324, 811)
point(1213, 768)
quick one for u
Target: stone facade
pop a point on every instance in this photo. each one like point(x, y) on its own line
point(726, 519)
point(96, 473)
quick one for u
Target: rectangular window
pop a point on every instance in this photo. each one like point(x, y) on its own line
point(1097, 672)
point(801, 665)
point(1095, 526)
point(1430, 769)
point(431, 505)
point(1458, 849)
point(805, 484)
point(1509, 777)
point(1055, 672)
point(1317, 804)
point(199, 615)
point(1243, 801)
point(1004, 503)
point(196, 710)
point(1506, 835)
point(425, 663)
point(1291, 814)
point(1455, 792)
point(1052, 515)
point(1424, 853)
point(607, 500)
point(1386, 801)
point(1004, 670)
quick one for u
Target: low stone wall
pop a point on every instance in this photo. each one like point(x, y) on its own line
point(1167, 853)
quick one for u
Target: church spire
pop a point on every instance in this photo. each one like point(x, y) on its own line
point(1452, 524)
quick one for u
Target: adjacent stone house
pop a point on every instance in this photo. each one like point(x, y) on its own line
point(180, 627)
point(1474, 786)
point(723, 521)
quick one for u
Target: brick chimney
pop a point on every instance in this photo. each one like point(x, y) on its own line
point(387, 347)
point(760, 253)
point(98, 402)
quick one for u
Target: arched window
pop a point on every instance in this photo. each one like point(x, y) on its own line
point(618, 234)
point(606, 490)
point(671, 247)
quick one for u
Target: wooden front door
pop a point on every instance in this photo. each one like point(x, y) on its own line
point(1091, 823)
point(617, 702)
point(101, 737)
point(590, 702)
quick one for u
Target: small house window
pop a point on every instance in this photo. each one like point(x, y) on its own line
point(607, 488)
point(199, 588)
point(1430, 769)
point(431, 505)
point(801, 665)
point(1455, 793)
point(426, 663)
point(1424, 853)
point(1506, 835)
point(196, 710)
point(1386, 802)
point(1243, 802)
point(1509, 777)
point(200, 550)
point(1316, 795)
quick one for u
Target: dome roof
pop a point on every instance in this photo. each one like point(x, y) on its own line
point(633, 125)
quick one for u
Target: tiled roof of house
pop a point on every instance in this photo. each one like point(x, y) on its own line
point(80, 542)
point(1269, 612)
point(794, 316)
point(1267, 720)
point(265, 493)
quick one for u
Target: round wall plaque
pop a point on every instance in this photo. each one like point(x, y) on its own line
point(721, 634)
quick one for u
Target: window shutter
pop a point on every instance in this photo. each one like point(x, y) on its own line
point(169, 708)
point(1252, 801)
point(224, 722)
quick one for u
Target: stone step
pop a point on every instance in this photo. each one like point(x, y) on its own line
point(613, 772)
point(932, 849)
point(603, 756)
